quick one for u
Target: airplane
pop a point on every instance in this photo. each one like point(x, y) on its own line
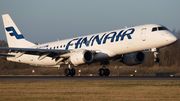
point(127, 45)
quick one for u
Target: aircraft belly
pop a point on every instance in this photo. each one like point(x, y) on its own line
point(104, 54)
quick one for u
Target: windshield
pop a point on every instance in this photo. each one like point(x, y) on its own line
point(162, 28)
point(159, 29)
point(154, 29)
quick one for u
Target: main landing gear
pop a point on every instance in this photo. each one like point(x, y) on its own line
point(69, 71)
point(104, 71)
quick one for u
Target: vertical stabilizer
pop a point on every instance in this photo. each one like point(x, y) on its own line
point(13, 35)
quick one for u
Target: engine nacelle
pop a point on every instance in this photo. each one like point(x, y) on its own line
point(80, 57)
point(134, 58)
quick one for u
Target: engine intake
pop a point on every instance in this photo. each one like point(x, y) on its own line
point(134, 58)
point(80, 57)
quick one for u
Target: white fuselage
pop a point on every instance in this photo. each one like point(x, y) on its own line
point(107, 44)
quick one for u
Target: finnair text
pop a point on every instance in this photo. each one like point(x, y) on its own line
point(112, 36)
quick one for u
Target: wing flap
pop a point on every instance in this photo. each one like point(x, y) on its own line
point(33, 51)
point(7, 55)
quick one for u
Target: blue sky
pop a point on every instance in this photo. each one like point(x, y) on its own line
point(48, 20)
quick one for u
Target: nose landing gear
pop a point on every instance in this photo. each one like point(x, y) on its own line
point(156, 59)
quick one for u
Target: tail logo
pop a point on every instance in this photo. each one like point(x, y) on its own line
point(14, 33)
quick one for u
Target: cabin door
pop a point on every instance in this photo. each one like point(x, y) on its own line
point(143, 34)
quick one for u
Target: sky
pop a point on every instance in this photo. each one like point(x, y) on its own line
point(43, 21)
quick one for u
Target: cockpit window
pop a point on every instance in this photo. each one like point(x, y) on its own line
point(162, 28)
point(154, 29)
point(159, 28)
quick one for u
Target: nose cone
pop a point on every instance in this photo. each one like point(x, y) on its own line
point(173, 37)
point(170, 37)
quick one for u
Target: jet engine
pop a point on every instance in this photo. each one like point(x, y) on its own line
point(80, 57)
point(133, 58)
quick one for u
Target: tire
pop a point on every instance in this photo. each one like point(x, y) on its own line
point(73, 72)
point(107, 72)
point(66, 72)
point(101, 72)
point(156, 60)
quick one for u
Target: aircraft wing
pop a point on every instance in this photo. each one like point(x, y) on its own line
point(6, 55)
point(33, 51)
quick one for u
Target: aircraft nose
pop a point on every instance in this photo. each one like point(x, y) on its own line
point(172, 37)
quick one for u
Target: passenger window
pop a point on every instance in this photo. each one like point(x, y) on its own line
point(154, 29)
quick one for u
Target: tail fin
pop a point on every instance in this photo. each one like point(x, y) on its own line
point(13, 35)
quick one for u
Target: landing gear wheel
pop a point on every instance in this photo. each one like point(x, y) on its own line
point(104, 72)
point(101, 72)
point(156, 59)
point(73, 72)
point(107, 72)
point(66, 72)
point(70, 72)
